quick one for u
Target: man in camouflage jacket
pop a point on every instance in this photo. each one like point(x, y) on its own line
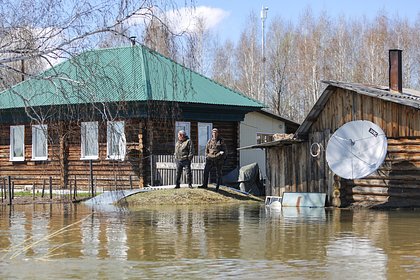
point(184, 152)
point(216, 154)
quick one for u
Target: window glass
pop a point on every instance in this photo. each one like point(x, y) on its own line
point(39, 142)
point(116, 143)
point(89, 140)
point(17, 144)
point(204, 135)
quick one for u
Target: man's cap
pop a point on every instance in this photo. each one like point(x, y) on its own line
point(215, 130)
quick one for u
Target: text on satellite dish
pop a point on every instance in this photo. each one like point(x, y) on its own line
point(373, 132)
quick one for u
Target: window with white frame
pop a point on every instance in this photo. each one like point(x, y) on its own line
point(116, 143)
point(17, 143)
point(186, 126)
point(89, 140)
point(204, 135)
point(40, 142)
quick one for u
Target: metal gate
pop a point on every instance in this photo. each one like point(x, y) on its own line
point(164, 170)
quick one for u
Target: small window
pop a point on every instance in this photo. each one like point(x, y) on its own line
point(89, 140)
point(204, 135)
point(186, 126)
point(264, 137)
point(116, 143)
point(39, 142)
point(17, 143)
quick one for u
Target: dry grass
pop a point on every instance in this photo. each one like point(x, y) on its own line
point(186, 196)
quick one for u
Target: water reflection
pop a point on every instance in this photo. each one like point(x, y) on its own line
point(208, 242)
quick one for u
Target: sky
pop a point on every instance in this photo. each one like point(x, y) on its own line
point(227, 18)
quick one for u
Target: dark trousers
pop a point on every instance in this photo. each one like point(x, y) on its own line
point(210, 163)
point(180, 165)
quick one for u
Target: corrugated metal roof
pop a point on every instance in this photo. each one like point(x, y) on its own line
point(133, 73)
point(408, 97)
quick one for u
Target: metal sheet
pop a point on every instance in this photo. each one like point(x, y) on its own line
point(303, 199)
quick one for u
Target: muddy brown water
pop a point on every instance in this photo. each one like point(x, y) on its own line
point(245, 241)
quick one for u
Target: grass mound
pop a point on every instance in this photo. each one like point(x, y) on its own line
point(188, 196)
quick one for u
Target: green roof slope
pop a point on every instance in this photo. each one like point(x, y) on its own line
point(132, 73)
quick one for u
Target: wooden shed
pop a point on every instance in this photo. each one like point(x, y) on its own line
point(298, 163)
point(109, 118)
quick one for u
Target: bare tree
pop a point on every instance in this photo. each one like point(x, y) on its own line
point(56, 30)
point(249, 60)
point(280, 72)
point(224, 64)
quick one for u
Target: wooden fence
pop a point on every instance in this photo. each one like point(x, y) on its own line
point(164, 170)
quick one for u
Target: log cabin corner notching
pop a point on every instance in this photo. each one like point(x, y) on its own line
point(99, 117)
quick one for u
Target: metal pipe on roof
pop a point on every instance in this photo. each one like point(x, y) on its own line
point(395, 70)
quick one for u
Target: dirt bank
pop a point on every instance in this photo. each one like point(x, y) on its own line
point(188, 196)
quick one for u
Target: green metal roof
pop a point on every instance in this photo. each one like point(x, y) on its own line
point(133, 73)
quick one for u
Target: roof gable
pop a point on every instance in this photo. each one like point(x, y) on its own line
point(133, 73)
point(407, 98)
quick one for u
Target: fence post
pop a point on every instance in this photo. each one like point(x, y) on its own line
point(91, 178)
point(151, 170)
point(3, 188)
point(50, 187)
point(9, 180)
point(75, 187)
point(43, 188)
point(33, 191)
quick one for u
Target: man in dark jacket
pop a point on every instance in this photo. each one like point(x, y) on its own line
point(216, 154)
point(184, 152)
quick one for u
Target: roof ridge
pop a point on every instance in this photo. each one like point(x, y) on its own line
point(201, 75)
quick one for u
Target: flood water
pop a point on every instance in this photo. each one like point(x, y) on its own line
point(207, 242)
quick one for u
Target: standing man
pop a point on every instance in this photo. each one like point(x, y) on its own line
point(184, 152)
point(216, 154)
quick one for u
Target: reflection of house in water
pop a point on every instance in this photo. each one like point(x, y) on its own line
point(350, 255)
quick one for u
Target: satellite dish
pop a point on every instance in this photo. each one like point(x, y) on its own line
point(356, 149)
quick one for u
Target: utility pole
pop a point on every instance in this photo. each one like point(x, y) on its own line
point(263, 17)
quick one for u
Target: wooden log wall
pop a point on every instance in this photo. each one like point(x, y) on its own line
point(107, 174)
point(397, 181)
point(29, 172)
point(66, 168)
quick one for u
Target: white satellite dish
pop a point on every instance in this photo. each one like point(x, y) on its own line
point(356, 149)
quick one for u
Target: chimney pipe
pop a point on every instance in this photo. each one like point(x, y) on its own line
point(395, 70)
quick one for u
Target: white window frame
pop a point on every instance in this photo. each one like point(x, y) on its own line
point(14, 133)
point(115, 131)
point(201, 126)
point(91, 127)
point(36, 141)
point(186, 126)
